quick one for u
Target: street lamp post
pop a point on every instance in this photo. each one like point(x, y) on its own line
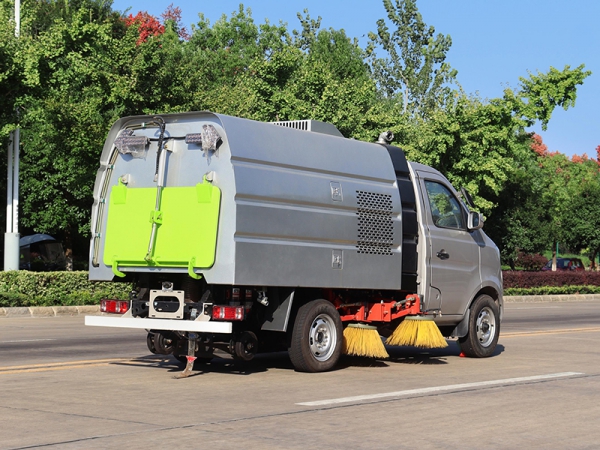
point(11, 237)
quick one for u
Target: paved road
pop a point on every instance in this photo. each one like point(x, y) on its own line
point(63, 385)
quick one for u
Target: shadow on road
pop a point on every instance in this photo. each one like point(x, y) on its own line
point(264, 362)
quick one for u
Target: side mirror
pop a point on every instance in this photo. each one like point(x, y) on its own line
point(475, 221)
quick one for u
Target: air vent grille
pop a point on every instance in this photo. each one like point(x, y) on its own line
point(375, 225)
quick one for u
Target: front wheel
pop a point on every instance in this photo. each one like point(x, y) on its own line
point(316, 344)
point(484, 329)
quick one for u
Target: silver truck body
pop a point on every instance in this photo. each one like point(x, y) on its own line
point(290, 199)
point(289, 210)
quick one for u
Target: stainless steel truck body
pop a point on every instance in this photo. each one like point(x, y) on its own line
point(239, 235)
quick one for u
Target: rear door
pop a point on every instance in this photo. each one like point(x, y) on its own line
point(453, 264)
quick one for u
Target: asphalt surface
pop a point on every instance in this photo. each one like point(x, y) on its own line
point(64, 385)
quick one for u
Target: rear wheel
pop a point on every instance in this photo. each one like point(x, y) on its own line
point(484, 328)
point(316, 344)
point(150, 343)
point(245, 347)
point(164, 342)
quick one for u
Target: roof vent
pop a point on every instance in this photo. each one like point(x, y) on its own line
point(311, 125)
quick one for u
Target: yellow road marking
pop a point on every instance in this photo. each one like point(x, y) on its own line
point(59, 365)
point(48, 367)
point(66, 363)
point(542, 332)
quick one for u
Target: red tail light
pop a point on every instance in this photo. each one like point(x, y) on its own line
point(228, 312)
point(114, 306)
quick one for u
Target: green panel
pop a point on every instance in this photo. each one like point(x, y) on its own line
point(187, 226)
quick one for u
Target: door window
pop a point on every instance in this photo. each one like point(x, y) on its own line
point(445, 208)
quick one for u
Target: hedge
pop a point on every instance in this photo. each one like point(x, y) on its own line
point(571, 278)
point(24, 288)
point(553, 290)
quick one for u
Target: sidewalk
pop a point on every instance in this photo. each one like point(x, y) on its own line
point(49, 311)
point(54, 311)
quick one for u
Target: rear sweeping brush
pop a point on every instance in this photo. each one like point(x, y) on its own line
point(418, 331)
point(363, 340)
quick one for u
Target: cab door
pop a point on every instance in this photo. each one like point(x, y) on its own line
point(453, 257)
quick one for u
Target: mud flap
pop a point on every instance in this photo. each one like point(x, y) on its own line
point(462, 328)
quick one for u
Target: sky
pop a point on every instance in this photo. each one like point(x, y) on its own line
point(494, 42)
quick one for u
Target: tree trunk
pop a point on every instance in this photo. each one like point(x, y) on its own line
point(68, 244)
point(554, 257)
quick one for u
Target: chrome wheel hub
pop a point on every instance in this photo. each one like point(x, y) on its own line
point(486, 326)
point(323, 337)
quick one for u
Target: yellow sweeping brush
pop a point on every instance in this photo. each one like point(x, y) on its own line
point(417, 331)
point(363, 340)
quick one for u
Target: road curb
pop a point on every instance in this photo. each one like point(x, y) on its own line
point(49, 311)
point(56, 311)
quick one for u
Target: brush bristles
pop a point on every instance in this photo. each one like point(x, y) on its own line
point(363, 341)
point(416, 332)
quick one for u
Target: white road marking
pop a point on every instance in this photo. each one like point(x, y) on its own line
point(27, 340)
point(437, 389)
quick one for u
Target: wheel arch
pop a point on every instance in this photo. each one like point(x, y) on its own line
point(462, 328)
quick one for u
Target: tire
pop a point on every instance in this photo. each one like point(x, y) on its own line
point(164, 342)
point(484, 329)
point(150, 343)
point(317, 338)
point(244, 349)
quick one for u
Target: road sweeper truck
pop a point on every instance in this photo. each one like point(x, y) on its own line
point(247, 237)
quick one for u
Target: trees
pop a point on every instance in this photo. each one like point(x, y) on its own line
point(10, 78)
point(69, 75)
point(540, 94)
point(85, 66)
point(580, 210)
point(79, 66)
point(416, 63)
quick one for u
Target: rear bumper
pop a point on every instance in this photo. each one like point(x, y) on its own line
point(160, 324)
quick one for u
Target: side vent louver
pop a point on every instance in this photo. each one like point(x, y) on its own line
point(315, 126)
point(375, 226)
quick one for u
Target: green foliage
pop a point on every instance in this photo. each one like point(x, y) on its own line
point(69, 73)
point(415, 65)
point(78, 67)
point(320, 75)
point(23, 288)
point(522, 219)
point(581, 214)
point(553, 290)
point(10, 79)
point(12, 300)
point(541, 93)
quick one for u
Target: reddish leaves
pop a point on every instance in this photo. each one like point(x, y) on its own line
point(530, 261)
point(538, 146)
point(147, 24)
point(174, 14)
